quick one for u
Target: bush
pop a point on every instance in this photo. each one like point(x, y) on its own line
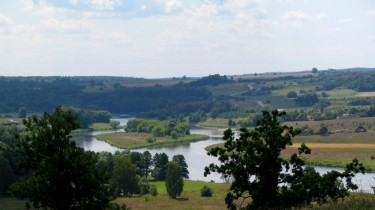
point(144, 186)
point(153, 190)
point(206, 192)
point(292, 94)
point(150, 140)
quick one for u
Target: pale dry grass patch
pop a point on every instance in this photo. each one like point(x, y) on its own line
point(365, 94)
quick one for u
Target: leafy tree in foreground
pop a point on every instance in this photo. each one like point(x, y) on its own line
point(61, 175)
point(253, 161)
point(174, 181)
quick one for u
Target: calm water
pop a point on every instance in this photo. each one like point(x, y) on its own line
point(195, 154)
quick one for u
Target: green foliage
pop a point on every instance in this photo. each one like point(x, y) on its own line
point(124, 180)
point(160, 162)
point(292, 94)
point(22, 112)
point(174, 181)
point(88, 117)
point(144, 186)
point(38, 94)
point(7, 176)
point(307, 99)
point(323, 131)
point(159, 128)
point(180, 159)
point(153, 190)
point(60, 175)
point(114, 124)
point(196, 117)
point(257, 153)
point(214, 80)
point(206, 192)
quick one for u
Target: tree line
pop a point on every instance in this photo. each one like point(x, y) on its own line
point(158, 128)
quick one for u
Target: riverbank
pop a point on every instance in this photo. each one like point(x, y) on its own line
point(141, 140)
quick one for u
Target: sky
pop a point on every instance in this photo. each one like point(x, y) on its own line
point(173, 38)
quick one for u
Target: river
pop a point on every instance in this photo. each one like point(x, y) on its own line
point(195, 154)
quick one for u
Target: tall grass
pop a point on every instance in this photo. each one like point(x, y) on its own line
point(356, 201)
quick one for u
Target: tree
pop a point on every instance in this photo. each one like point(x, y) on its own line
point(160, 162)
point(314, 70)
point(254, 163)
point(7, 176)
point(60, 174)
point(307, 99)
point(174, 181)
point(146, 161)
point(323, 131)
point(22, 112)
point(124, 177)
point(292, 94)
point(180, 159)
point(114, 124)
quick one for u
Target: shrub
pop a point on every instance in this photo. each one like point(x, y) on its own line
point(206, 192)
point(144, 186)
point(153, 190)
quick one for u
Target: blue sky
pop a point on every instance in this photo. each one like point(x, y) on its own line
point(172, 38)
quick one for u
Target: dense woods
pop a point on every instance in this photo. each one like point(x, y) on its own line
point(179, 99)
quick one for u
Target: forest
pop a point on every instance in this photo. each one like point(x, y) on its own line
point(197, 98)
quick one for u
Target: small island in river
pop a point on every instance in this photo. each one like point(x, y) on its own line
point(149, 133)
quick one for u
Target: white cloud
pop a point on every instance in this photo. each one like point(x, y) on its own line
point(295, 16)
point(27, 5)
point(111, 37)
point(298, 18)
point(5, 20)
point(65, 25)
point(371, 38)
point(74, 2)
point(171, 5)
point(371, 12)
point(105, 4)
point(321, 16)
point(346, 20)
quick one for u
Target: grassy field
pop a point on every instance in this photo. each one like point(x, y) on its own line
point(100, 126)
point(190, 198)
point(216, 123)
point(337, 155)
point(356, 201)
point(141, 140)
point(336, 150)
point(337, 124)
